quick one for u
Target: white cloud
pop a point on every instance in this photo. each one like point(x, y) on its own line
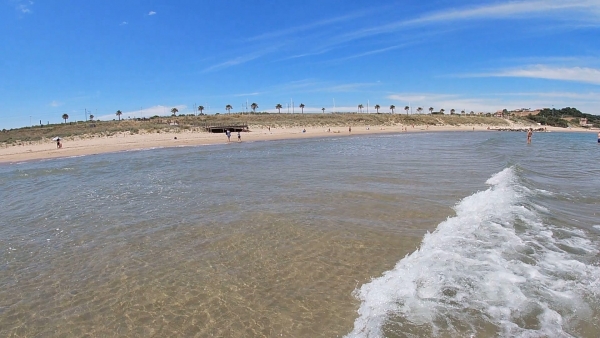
point(510, 10)
point(152, 13)
point(318, 52)
point(233, 62)
point(576, 11)
point(586, 102)
point(246, 94)
point(445, 101)
point(570, 61)
point(576, 74)
point(146, 112)
point(420, 97)
point(55, 104)
point(238, 60)
point(24, 6)
point(306, 27)
point(371, 52)
point(590, 96)
point(348, 87)
point(123, 23)
point(309, 109)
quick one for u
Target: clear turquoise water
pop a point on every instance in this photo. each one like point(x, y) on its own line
point(308, 238)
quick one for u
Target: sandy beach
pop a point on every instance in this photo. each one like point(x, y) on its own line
point(93, 144)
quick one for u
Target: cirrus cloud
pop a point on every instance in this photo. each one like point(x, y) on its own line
point(576, 74)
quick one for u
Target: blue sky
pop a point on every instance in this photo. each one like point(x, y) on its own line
point(146, 57)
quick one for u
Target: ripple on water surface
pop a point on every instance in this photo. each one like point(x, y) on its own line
point(271, 238)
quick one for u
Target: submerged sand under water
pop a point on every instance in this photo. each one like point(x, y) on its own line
point(262, 239)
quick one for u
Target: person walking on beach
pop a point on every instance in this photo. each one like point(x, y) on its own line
point(349, 129)
point(239, 137)
point(228, 133)
point(58, 144)
point(529, 134)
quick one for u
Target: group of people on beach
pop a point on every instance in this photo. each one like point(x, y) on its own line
point(228, 134)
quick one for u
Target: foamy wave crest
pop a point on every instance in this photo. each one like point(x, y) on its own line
point(495, 269)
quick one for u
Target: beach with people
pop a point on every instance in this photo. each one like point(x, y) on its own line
point(355, 169)
point(98, 143)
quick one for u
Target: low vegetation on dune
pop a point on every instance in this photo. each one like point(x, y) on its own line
point(196, 123)
point(562, 117)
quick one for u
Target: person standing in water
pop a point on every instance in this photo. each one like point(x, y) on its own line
point(599, 137)
point(529, 134)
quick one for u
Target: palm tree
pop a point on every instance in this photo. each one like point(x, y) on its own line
point(228, 108)
point(302, 107)
point(452, 111)
point(323, 109)
point(119, 113)
point(254, 106)
point(462, 112)
point(406, 108)
point(392, 107)
point(200, 109)
point(91, 117)
point(377, 108)
point(472, 113)
point(360, 107)
point(278, 107)
point(419, 110)
point(65, 117)
point(174, 111)
point(430, 110)
point(442, 111)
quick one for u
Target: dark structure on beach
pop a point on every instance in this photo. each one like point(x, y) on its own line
point(517, 129)
point(221, 127)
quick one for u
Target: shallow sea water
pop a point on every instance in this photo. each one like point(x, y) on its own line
point(401, 235)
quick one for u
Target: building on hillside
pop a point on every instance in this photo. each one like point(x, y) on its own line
point(502, 113)
point(584, 123)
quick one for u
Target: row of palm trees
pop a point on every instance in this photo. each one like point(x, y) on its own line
point(360, 109)
point(278, 106)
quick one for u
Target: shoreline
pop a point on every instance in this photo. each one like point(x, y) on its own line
point(94, 145)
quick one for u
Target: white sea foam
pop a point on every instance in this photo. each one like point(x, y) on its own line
point(493, 269)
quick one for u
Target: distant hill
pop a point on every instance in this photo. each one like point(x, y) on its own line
point(558, 117)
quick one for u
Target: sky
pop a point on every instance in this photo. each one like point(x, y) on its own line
point(146, 57)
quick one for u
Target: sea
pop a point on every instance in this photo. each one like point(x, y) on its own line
point(446, 234)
